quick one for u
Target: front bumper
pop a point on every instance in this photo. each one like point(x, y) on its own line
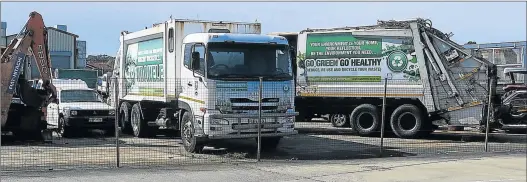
point(84, 122)
point(246, 125)
point(252, 135)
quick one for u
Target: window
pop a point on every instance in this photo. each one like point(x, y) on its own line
point(201, 49)
point(241, 61)
point(171, 40)
point(231, 59)
point(186, 55)
point(79, 96)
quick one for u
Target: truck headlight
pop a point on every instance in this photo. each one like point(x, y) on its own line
point(111, 112)
point(73, 113)
point(223, 105)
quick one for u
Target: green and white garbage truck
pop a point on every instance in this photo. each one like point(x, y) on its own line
point(202, 78)
point(432, 82)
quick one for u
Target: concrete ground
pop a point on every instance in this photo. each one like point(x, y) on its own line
point(509, 168)
point(313, 144)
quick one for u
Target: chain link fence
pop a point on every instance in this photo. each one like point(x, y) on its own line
point(95, 129)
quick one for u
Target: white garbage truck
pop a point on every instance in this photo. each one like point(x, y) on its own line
point(202, 78)
point(432, 81)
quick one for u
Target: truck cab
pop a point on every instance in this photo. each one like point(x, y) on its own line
point(79, 108)
point(221, 74)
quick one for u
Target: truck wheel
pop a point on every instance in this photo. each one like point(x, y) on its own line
point(139, 126)
point(269, 143)
point(190, 141)
point(365, 120)
point(63, 130)
point(407, 121)
point(124, 118)
point(339, 120)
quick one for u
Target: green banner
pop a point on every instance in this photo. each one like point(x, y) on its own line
point(341, 45)
point(345, 78)
point(150, 52)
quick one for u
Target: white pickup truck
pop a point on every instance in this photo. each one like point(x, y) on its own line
point(79, 108)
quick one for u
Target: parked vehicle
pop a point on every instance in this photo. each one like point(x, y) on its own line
point(433, 81)
point(86, 75)
point(512, 113)
point(201, 78)
point(23, 107)
point(79, 108)
point(103, 84)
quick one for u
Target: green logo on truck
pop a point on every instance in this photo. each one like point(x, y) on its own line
point(397, 61)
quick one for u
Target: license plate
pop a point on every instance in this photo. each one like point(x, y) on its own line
point(255, 121)
point(95, 120)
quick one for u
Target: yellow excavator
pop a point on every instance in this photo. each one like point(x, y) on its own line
point(22, 107)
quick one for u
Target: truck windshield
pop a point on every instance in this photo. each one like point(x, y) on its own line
point(79, 96)
point(248, 61)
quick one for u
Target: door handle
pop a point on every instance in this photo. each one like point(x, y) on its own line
point(189, 84)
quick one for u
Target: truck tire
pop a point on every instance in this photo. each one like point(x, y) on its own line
point(63, 130)
point(339, 120)
point(364, 119)
point(269, 143)
point(407, 121)
point(124, 118)
point(191, 143)
point(139, 126)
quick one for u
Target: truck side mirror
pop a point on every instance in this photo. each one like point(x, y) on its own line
point(195, 60)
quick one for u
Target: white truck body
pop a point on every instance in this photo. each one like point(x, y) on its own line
point(154, 73)
point(428, 75)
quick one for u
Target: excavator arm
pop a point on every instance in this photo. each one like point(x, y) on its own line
point(30, 42)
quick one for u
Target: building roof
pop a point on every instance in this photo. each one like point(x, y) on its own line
point(98, 66)
point(53, 28)
point(62, 31)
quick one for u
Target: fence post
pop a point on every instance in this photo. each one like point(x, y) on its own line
point(489, 112)
point(117, 129)
point(383, 114)
point(259, 120)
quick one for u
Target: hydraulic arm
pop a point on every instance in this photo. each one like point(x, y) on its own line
point(31, 41)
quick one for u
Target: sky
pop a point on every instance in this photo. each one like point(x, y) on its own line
point(100, 23)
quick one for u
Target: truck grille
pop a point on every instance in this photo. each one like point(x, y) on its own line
point(245, 100)
point(254, 107)
point(92, 112)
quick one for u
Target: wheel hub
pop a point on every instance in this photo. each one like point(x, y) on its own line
point(339, 118)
